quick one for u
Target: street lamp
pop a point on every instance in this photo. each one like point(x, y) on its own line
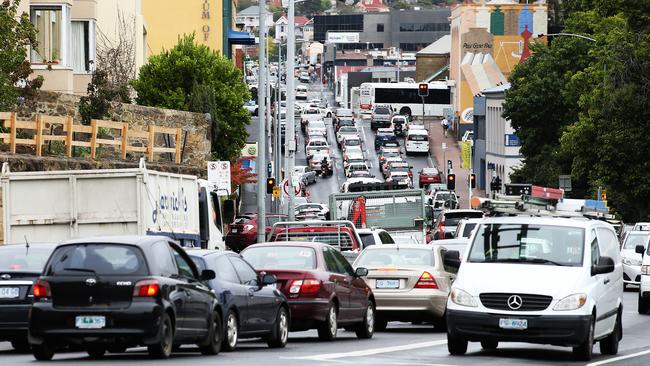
point(261, 152)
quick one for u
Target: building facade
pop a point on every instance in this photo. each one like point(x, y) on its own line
point(248, 20)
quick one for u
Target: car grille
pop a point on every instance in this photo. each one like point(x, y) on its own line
point(499, 301)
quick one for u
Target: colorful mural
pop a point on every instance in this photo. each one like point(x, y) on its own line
point(488, 39)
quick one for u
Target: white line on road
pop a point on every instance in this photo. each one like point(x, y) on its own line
point(371, 351)
point(616, 359)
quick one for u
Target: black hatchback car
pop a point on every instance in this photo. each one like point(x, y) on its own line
point(253, 307)
point(111, 293)
point(20, 266)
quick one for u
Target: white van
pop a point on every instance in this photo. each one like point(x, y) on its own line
point(417, 141)
point(644, 285)
point(537, 280)
point(301, 92)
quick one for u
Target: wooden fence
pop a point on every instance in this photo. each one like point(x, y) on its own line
point(48, 124)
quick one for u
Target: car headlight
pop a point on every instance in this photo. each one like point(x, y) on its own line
point(571, 302)
point(631, 261)
point(462, 298)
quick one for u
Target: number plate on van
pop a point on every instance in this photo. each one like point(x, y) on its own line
point(513, 323)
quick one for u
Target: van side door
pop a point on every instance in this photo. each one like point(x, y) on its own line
point(613, 281)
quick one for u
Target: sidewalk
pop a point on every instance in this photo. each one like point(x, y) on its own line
point(440, 157)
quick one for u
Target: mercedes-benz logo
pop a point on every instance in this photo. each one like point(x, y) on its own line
point(91, 281)
point(515, 302)
point(6, 276)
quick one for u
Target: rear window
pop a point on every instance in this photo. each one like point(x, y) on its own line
point(367, 240)
point(240, 220)
point(382, 111)
point(467, 230)
point(453, 218)
point(20, 258)
point(418, 138)
point(284, 257)
point(395, 257)
point(334, 239)
point(101, 259)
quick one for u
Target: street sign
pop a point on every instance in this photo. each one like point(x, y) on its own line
point(565, 182)
point(285, 188)
point(276, 192)
point(444, 146)
point(219, 175)
point(449, 165)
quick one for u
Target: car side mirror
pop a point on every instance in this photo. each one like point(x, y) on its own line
point(269, 279)
point(605, 265)
point(361, 272)
point(451, 261)
point(640, 249)
point(207, 275)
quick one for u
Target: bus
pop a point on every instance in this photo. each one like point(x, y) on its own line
point(404, 98)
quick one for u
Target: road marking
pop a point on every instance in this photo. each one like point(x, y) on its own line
point(616, 359)
point(371, 351)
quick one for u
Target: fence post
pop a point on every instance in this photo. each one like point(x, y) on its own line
point(12, 132)
point(93, 138)
point(125, 139)
point(38, 137)
point(150, 145)
point(178, 146)
point(69, 125)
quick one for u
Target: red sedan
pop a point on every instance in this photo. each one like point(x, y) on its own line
point(323, 289)
point(243, 232)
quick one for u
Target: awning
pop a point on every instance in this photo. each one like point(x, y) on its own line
point(244, 38)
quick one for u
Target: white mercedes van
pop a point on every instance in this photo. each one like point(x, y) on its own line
point(538, 280)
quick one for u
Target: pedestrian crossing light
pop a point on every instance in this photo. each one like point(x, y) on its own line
point(270, 183)
point(472, 181)
point(423, 90)
point(451, 182)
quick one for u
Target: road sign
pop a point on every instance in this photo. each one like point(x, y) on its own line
point(285, 188)
point(219, 175)
point(565, 182)
point(444, 146)
point(276, 192)
point(449, 165)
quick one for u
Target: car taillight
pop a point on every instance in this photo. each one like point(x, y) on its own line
point(442, 230)
point(41, 289)
point(645, 270)
point(304, 287)
point(146, 288)
point(426, 281)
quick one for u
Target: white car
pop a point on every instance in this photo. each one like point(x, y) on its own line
point(311, 114)
point(346, 185)
point(304, 77)
point(317, 160)
point(539, 280)
point(374, 236)
point(251, 107)
point(355, 167)
point(401, 178)
point(346, 132)
point(314, 145)
point(631, 259)
point(351, 142)
point(417, 141)
point(301, 92)
point(316, 128)
point(311, 211)
point(465, 228)
point(354, 157)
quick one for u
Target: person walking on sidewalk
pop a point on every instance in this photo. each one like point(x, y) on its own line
point(445, 125)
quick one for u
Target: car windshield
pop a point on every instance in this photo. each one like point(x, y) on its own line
point(525, 243)
point(399, 169)
point(633, 240)
point(100, 259)
point(21, 258)
point(395, 257)
point(281, 257)
point(445, 196)
point(453, 218)
point(352, 142)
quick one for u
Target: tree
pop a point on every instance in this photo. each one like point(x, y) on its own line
point(191, 77)
point(97, 103)
point(116, 55)
point(311, 7)
point(401, 4)
point(16, 34)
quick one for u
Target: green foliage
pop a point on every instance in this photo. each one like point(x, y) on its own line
point(312, 7)
point(191, 77)
point(401, 4)
point(16, 34)
point(101, 93)
point(243, 4)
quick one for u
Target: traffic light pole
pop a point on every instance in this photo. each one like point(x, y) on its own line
point(261, 139)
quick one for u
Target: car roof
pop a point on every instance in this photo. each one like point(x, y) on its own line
point(398, 246)
point(308, 244)
point(138, 240)
point(419, 131)
point(430, 170)
point(638, 232)
point(554, 221)
point(454, 241)
point(196, 252)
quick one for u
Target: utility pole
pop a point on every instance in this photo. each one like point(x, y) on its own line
point(278, 124)
point(291, 97)
point(261, 140)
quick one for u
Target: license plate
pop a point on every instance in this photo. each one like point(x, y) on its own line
point(9, 292)
point(90, 322)
point(387, 284)
point(234, 231)
point(513, 323)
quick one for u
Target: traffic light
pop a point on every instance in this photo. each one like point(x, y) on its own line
point(472, 181)
point(451, 182)
point(423, 90)
point(270, 183)
point(495, 185)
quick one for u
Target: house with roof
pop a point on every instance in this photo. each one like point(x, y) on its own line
point(372, 6)
point(432, 62)
point(304, 28)
point(248, 20)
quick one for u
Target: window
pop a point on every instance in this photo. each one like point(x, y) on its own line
point(282, 28)
point(386, 238)
point(330, 261)
point(102, 259)
point(281, 257)
point(595, 250)
point(344, 265)
point(83, 45)
point(50, 22)
point(184, 267)
point(225, 271)
point(380, 27)
point(166, 264)
point(393, 257)
point(246, 273)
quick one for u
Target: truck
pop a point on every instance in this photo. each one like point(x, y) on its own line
point(52, 206)
point(400, 212)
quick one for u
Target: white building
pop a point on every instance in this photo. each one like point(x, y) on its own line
point(304, 28)
point(502, 154)
point(248, 20)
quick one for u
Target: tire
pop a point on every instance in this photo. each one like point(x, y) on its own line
point(43, 352)
point(609, 345)
point(328, 329)
point(163, 348)
point(96, 351)
point(456, 346)
point(230, 333)
point(380, 324)
point(214, 344)
point(20, 345)
point(644, 304)
point(489, 345)
point(584, 352)
point(366, 329)
point(256, 112)
point(280, 334)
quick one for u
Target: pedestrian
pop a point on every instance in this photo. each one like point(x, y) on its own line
point(445, 125)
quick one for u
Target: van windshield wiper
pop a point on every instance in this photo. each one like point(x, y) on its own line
point(526, 260)
point(74, 269)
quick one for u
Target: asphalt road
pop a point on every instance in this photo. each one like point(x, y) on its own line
point(401, 344)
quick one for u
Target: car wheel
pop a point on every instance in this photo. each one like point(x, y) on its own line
point(585, 350)
point(456, 346)
point(96, 351)
point(231, 333)
point(366, 329)
point(328, 329)
point(163, 348)
point(489, 345)
point(280, 335)
point(20, 345)
point(256, 112)
point(644, 304)
point(609, 345)
point(214, 344)
point(43, 352)
point(380, 324)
